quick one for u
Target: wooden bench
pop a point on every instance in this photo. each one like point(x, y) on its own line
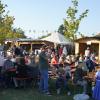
point(23, 79)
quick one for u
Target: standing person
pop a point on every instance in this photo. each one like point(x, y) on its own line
point(43, 65)
point(1, 62)
point(60, 51)
point(17, 51)
point(87, 52)
point(96, 90)
point(90, 64)
point(65, 51)
point(1, 66)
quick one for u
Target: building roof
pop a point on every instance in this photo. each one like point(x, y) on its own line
point(22, 40)
point(57, 38)
point(88, 39)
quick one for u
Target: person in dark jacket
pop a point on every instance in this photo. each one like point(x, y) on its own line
point(61, 81)
point(21, 70)
point(79, 77)
point(90, 64)
point(7, 74)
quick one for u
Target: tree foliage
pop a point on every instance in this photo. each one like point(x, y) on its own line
point(19, 33)
point(72, 22)
point(6, 25)
point(61, 29)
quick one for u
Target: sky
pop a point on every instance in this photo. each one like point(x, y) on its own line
point(48, 15)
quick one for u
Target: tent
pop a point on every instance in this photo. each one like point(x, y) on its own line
point(57, 38)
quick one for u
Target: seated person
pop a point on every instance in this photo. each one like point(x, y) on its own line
point(54, 62)
point(6, 71)
point(78, 78)
point(21, 70)
point(61, 81)
point(67, 65)
point(8, 64)
point(61, 60)
point(33, 70)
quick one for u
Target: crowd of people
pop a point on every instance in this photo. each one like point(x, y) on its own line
point(21, 64)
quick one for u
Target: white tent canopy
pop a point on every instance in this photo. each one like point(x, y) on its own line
point(57, 38)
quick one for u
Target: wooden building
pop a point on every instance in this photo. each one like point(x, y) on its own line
point(93, 42)
point(28, 43)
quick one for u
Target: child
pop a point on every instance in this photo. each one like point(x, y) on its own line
point(61, 81)
point(79, 77)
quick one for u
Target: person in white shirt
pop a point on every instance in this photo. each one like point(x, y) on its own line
point(87, 52)
point(64, 51)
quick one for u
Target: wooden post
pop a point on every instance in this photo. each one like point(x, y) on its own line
point(31, 47)
point(76, 48)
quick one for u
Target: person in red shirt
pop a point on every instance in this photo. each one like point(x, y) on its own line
point(54, 60)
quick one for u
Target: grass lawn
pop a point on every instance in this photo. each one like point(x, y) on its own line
point(33, 94)
point(29, 94)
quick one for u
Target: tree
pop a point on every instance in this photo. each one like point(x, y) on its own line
point(6, 25)
point(61, 29)
point(71, 22)
point(2, 21)
point(18, 33)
